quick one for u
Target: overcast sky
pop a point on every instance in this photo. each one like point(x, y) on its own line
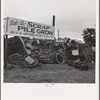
point(71, 16)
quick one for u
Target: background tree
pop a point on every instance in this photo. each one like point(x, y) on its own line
point(89, 35)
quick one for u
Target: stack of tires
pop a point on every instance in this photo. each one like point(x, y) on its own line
point(15, 58)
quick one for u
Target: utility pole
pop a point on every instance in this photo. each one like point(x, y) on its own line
point(53, 23)
point(52, 44)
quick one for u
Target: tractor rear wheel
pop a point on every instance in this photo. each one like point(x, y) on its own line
point(57, 57)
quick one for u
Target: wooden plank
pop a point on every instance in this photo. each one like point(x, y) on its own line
point(5, 50)
point(6, 45)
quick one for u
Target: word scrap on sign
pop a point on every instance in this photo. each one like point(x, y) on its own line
point(17, 27)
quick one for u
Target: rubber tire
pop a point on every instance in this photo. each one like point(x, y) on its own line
point(55, 57)
point(16, 58)
point(26, 64)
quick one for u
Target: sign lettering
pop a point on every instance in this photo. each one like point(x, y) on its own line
point(17, 27)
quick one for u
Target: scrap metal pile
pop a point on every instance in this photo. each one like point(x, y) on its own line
point(32, 52)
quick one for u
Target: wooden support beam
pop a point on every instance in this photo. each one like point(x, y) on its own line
point(5, 50)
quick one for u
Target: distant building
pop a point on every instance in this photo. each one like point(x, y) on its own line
point(59, 39)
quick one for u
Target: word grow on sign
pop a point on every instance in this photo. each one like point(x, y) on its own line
point(17, 27)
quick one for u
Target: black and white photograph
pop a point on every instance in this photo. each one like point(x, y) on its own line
point(49, 50)
point(49, 41)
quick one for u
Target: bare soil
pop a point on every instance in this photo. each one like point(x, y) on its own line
point(48, 73)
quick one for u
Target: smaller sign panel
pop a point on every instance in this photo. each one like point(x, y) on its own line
point(75, 52)
point(17, 27)
point(30, 46)
point(30, 60)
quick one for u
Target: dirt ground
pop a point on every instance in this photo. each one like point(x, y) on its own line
point(48, 73)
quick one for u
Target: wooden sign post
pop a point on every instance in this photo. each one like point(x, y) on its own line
point(6, 45)
point(5, 50)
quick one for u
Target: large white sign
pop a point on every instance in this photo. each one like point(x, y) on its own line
point(17, 27)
